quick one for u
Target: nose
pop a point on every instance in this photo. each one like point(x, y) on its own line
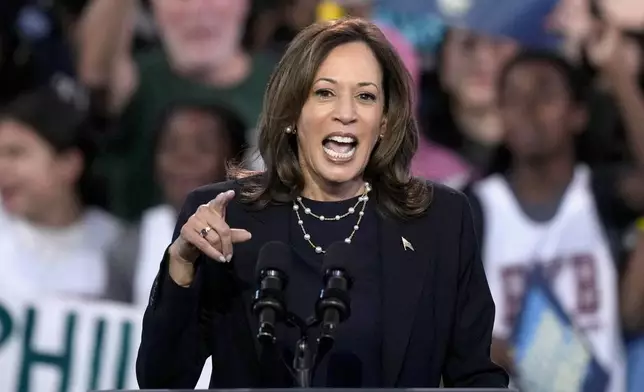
point(483, 55)
point(531, 107)
point(345, 109)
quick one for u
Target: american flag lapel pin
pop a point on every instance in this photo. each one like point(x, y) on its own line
point(406, 244)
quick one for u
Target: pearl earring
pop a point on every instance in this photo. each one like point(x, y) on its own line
point(381, 136)
point(290, 130)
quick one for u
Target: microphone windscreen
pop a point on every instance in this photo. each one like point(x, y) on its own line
point(340, 256)
point(274, 255)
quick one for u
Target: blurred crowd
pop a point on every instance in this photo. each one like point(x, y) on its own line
point(111, 111)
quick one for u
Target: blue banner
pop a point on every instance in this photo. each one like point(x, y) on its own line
point(521, 20)
point(636, 365)
point(549, 353)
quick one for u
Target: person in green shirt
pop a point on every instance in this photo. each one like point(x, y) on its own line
point(201, 61)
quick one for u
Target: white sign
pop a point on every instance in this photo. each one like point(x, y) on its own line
point(67, 345)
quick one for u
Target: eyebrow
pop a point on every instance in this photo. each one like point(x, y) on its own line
point(360, 84)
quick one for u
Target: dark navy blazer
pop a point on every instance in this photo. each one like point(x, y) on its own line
point(437, 311)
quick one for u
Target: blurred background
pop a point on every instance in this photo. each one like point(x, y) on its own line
point(111, 111)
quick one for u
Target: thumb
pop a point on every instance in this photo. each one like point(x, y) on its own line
point(240, 235)
point(219, 203)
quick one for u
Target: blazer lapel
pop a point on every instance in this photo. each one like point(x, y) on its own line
point(406, 262)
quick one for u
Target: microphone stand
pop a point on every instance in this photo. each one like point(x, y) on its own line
point(302, 367)
point(305, 361)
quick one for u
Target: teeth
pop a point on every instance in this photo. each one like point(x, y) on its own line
point(342, 139)
point(339, 155)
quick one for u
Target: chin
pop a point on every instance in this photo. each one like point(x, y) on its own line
point(194, 58)
point(339, 177)
point(194, 64)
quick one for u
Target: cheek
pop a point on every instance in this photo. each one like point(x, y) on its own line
point(554, 115)
point(31, 166)
point(164, 162)
point(305, 142)
point(39, 182)
point(310, 124)
point(44, 175)
point(171, 17)
point(312, 117)
point(451, 74)
point(375, 138)
point(509, 116)
point(372, 149)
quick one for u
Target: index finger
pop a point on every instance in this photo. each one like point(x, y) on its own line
point(219, 203)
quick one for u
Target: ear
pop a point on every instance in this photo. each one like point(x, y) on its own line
point(71, 165)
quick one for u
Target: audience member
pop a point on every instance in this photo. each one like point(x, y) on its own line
point(462, 113)
point(202, 59)
point(52, 238)
point(194, 144)
point(545, 206)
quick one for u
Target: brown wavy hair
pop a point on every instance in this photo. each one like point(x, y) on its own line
point(396, 192)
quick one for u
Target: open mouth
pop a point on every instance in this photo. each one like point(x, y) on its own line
point(340, 148)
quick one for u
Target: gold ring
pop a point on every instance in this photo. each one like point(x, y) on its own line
point(204, 232)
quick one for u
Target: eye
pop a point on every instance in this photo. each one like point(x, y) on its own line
point(13, 151)
point(367, 96)
point(323, 93)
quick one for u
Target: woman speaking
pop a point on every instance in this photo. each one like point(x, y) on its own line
point(337, 136)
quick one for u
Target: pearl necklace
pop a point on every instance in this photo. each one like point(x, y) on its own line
point(361, 200)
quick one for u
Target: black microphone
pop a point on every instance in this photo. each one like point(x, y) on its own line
point(334, 304)
point(269, 306)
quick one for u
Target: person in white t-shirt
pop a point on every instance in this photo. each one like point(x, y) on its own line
point(195, 142)
point(543, 206)
point(52, 240)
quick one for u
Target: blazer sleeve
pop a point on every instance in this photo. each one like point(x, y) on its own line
point(468, 362)
point(174, 342)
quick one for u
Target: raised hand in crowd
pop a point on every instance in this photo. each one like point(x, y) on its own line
point(611, 51)
point(572, 19)
point(632, 290)
point(626, 14)
point(207, 232)
point(619, 60)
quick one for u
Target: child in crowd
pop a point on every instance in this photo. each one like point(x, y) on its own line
point(53, 238)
